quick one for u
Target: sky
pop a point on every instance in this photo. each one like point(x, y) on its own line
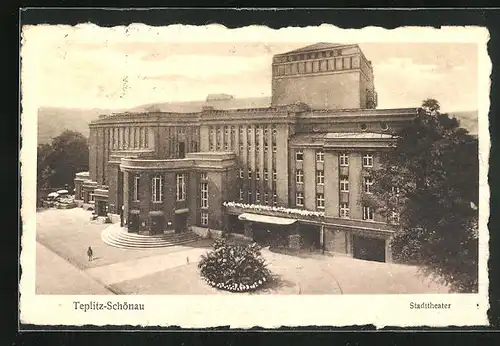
point(106, 68)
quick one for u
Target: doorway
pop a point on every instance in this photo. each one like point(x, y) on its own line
point(370, 249)
point(180, 222)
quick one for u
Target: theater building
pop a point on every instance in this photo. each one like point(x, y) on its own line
point(291, 169)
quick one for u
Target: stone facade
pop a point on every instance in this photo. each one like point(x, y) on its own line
point(249, 155)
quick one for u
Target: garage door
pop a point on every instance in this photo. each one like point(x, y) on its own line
point(370, 249)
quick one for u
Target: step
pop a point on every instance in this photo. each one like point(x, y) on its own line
point(149, 241)
point(121, 239)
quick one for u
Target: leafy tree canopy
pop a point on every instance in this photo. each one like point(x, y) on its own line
point(58, 162)
point(430, 184)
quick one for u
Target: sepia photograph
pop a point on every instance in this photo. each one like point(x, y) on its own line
point(245, 168)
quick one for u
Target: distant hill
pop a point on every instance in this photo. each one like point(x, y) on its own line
point(53, 121)
point(468, 120)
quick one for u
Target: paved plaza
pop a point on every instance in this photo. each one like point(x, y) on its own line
point(63, 237)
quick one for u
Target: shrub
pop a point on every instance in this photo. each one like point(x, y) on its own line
point(234, 267)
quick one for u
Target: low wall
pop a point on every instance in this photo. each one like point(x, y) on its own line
point(204, 232)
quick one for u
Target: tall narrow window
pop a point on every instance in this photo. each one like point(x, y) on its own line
point(204, 195)
point(344, 184)
point(203, 176)
point(181, 187)
point(320, 156)
point(320, 201)
point(367, 213)
point(299, 155)
point(249, 197)
point(299, 176)
point(257, 174)
point(275, 175)
point(241, 173)
point(157, 189)
point(344, 210)
point(257, 197)
point(266, 198)
point(299, 199)
point(320, 177)
point(136, 195)
point(344, 160)
point(275, 200)
point(241, 194)
point(249, 174)
point(368, 160)
point(266, 175)
point(367, 184)
point(204, 218)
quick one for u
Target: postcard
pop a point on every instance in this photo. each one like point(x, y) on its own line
point(200, 176)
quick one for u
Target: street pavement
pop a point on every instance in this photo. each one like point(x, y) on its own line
point(63, 268)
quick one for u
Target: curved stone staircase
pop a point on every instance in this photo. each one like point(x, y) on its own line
point(118, 237)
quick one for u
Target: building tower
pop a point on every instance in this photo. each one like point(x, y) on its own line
point(324, 76)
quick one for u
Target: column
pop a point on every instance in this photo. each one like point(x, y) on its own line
point(144, 201)
point(126, 198)
point(388, 251)
point(321, 236)
point(247, 226)
point(355, 182)
point(309, 170)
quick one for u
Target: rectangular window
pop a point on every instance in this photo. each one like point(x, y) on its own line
point(266, 174)
point(275, 200)
point(249, 174)
point(395, 191)
point(394, 218)
point(344, 210)
point(204, 218)
point(367, 184)
point(257, 174)
point(242, 147)
point(320, 156)
point(344, 160)
point(204, 176)
point(274, 148)
point(181, 187)
point(204, 195)
point(266, 198)
point(320, 177)
point(299, 155)
point(275, 176)
point(241, 173)
point(136, 188)
point(299, 176)
point(249, 197)
point(226, 146)
point(299, 199)
point(320, 201)
point(157, 189)
point(82, 194)
point(344, 184)
point(91, 197)
point(257, 197)
point(368, 160)
point(266, 148)
point(241, 194)
point(367, 213)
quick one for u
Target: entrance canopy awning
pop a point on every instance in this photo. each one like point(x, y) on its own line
point(266, 219)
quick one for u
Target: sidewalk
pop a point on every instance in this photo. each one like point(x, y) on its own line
point(137, 268)
point(55, 275)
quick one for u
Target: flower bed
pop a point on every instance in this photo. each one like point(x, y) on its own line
point(281, 210)
point(234, 267)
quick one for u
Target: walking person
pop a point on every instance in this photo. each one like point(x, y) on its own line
point(90, 253)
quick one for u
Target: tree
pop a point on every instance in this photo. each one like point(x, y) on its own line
point(59, 162)
point(428, 186)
